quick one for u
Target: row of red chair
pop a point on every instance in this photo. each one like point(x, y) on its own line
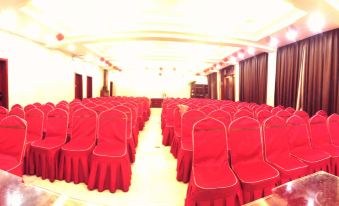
point(288, 158)
point(96, 142)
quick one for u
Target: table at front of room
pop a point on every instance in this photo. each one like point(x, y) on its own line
point(316, 189)
point(14, 192)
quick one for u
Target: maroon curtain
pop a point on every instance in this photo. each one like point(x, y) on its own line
point(212, 86)
point(321, 76)
point(287, 75)
point(253, 79)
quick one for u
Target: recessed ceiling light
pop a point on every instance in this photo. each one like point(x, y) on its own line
point(71, 48)
point(274, 42)
point(232, 59)
point(241, 55)
point(250, 50)
point(292, 34)
point(316, 22)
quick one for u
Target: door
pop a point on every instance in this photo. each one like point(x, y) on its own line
point(3, 83)
point(229, 87)
point(89, 87)
point(78, 86)
point(110, 88)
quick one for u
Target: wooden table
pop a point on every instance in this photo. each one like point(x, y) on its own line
point(318, 189)
point(14, 192)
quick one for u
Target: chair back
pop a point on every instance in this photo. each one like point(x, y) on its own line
point(284, 114)
point(188, 119)
point(85, 122)
point(56, 124)
point(17, 111)
point(297, 132)
point(222, 116)
point(263, 114)
point(318, 131)
point(35, 124)
point(3, 112)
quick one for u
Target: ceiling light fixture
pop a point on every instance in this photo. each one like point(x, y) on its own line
point(292, 34)
point(316, 22)
point(241, 55)
point(232, 59)
point(274, 42)
point(250, 50)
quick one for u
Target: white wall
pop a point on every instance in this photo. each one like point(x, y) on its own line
point(237, 81)
point(148, 83)
point(37, 74)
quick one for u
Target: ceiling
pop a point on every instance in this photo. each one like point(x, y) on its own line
point(189, 35)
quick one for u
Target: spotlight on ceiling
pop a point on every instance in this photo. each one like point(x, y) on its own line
point(274, 42)
point(316, 22)
point(292, 34)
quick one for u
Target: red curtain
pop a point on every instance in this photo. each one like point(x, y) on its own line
point(253, 79)
point(308, 74)
point(212, 85)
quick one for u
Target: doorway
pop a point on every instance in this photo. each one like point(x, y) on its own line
point(229, 87)
point(3, 83)
point(89, 87)
point(78, 86)
point(110, 88)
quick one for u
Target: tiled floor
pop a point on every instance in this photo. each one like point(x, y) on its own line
point(153, 178)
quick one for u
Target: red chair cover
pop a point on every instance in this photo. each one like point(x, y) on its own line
point(213, 183)
point(222, 116)
point(177, 132)
point(207, 109)
point(333, 128)
point(277, 152)
point(35, 122)
point(17, 111)
point(290, 110)
point(12, 144)
point(99, 109)
point(90, 105)
point(141, 120)
point(300, 145)
point(135, 128)
point(322, 113)
point(168, 132)
point(302, 114)
point(3, 112)
point(275, 110)
point(320, 139)
point(74, 156)
point(228, 109)
point(110, 166)
point(37, 104)
point(257, 177)
point(242, 113)
point(45, 109)
point(263, 114)
point(184, 161)
point(29, 107)
point(16, 106)
point(283, 114)
point(51, 104)
point(44, 155)
point(130, 140)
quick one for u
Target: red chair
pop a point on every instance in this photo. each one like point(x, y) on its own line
point(44, 154)
point(222, 116)
point(213, 183)
point(302, 114)
point(29, 107)
point(17, 111)
point(90, 105)
point(300, 145)
point(207, 109)
point(184, 161)
point(231, 110)
point(51, 104)
point(277, 152)
point(74, 156)
point(262, 115)
point(290, 110)
point(99, 109)
point(110, 166)
point(242, 113)
point(333, 128)
point(35, 122)
point(12, 144)
point(320, 140)
point(135, 128)
point(276, 109)
point(257, 177)
point(45, 109)
point(3, 112)
point(322, 113)
point(168, 131)
point(37, 104)
point(17, 106)
point(177, 132)
point(130, 141)
point(284, 114)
